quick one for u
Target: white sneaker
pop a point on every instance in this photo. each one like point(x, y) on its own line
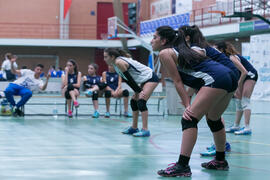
point(232, 129)
point(243, 131)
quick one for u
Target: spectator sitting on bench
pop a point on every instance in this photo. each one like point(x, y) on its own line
point(27, 82)
point(113, 89)
point(71, 82)
point(6, 68)
point(92, 85)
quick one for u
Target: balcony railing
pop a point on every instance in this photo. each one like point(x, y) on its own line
point(48, 31)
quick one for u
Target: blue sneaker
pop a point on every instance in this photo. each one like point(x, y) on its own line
point(96, 114)
point(232, 129)
point(212, 150)
point(243, 131)
point(89, 93)
point(142, 133)
point(127, 114)
point(107, 115)
point(212, 147)
point(130, 130)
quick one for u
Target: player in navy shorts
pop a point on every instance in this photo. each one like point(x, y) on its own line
point(90, 82)
point(214, 82)
point(243, 92)
point(114, 89)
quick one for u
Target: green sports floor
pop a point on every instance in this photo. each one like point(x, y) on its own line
point(83, 148)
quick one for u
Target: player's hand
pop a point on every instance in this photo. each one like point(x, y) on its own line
point(66, 69)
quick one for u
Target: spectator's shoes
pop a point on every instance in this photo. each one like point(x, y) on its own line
point(69, 114)
point(2, 94)
point(88, 93)
point(96, 114)
point(127, 114)
point(130, 130)
point(232, 129)
point(107, 115)
point(142, 133)
point(216, 165)
point(174, 170)
point(17, 112)
point(76, 104)
point(243, 131)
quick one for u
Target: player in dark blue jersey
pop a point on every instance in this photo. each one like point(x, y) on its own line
point(214, 81)
point(113, 89)
point(71, 82)
point(198, 42)
point(91, 83)
point(243, 92)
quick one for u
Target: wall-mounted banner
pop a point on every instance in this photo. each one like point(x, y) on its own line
point(147, 28)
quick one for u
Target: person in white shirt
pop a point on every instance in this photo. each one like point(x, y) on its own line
point(6, 67)
point(27, 82)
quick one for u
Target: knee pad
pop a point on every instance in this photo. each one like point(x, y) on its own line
point(142, 105)
point(102, 86)
point(133, 104)
point(95, 96)
point(245, 103)
point(125, 93)
point(186, 124)
point(238, 105)
point(67, 95)
point(215, 126)
point(108, 94)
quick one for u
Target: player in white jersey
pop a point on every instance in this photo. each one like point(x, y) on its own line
point(27, 82)
point(141, 79)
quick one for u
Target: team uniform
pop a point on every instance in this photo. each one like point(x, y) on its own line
point(72, 79)
point(252, 72)
point(91, 81)
point(140, 73)
point(207, 73)
point(221, 58)
point(112, 80)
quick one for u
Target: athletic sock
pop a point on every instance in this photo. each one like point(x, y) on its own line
point(220, 156)
point(183, 160)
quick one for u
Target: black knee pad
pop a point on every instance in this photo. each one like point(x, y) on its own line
point(133, 104)
point(108, 94)
point(102, 86)
point(95, 96)
point(67, 95)
point(142, 105)
point(215, 126)
point(125, 93)
point(186, 124)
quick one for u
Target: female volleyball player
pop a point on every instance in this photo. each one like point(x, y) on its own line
point(243, 92)
point(141, 79)
point(214, 83)
point(71, 81)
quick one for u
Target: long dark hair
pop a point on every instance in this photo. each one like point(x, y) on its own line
point(186, 55)
point(196, 36)
point(227, 48)
point(116, 52)
point(75, 65)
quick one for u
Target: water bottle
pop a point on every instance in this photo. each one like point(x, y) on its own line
point(55, 111)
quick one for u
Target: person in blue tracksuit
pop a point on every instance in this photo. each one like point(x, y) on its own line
point(214, 83)
point(243, 92)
